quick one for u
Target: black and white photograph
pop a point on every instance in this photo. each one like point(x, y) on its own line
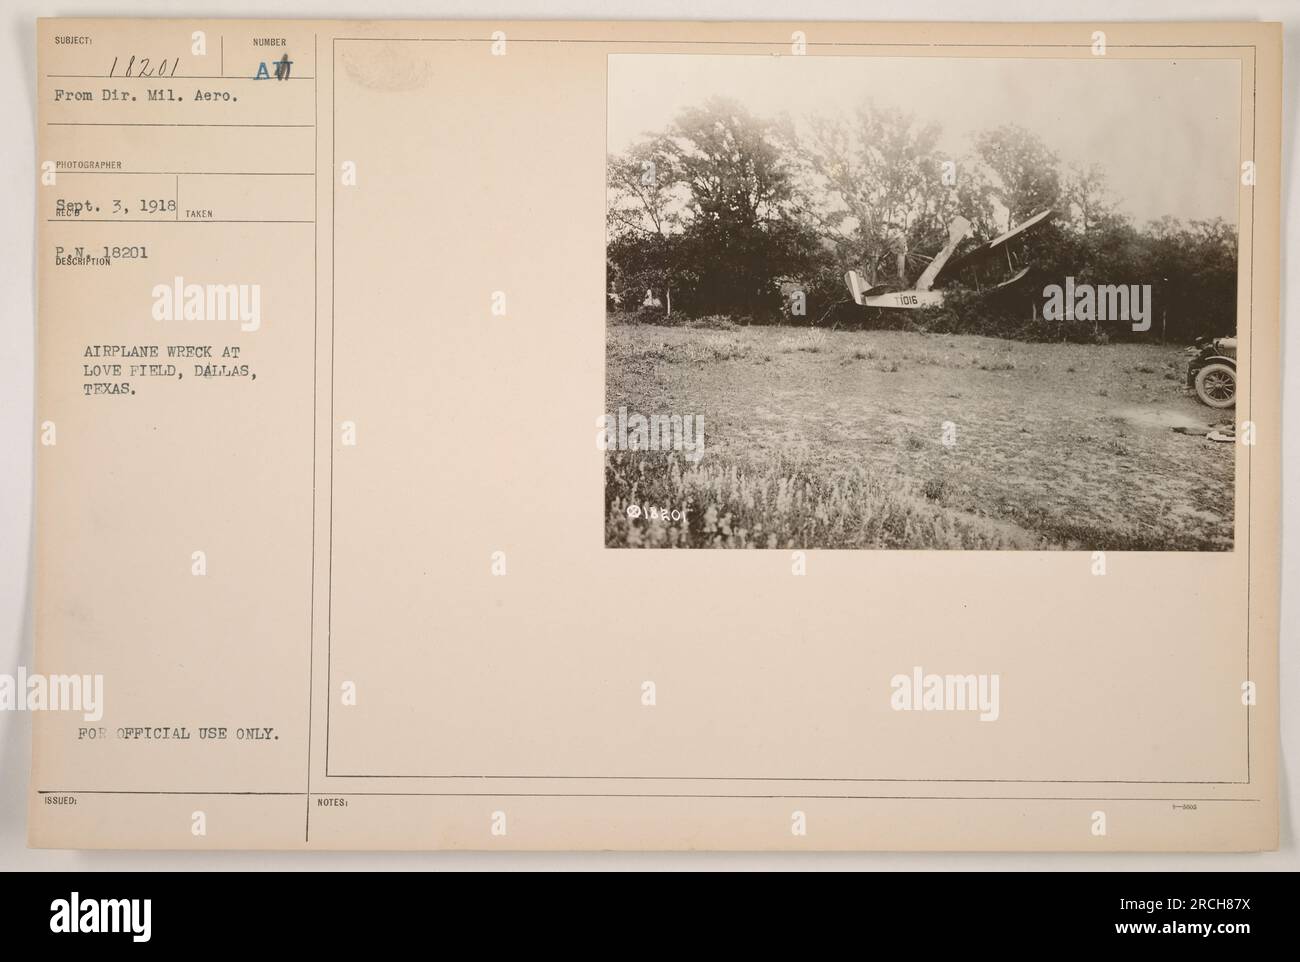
point(969, 316)
point(922, 302)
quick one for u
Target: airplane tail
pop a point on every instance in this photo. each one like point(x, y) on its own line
point(859, 289)
point(855, 286)
point(957, 231)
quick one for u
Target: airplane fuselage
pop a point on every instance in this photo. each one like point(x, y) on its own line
point(905, 299)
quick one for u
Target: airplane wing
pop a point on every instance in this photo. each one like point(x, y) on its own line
point(977, 254)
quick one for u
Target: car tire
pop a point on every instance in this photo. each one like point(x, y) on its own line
point(1216, 385)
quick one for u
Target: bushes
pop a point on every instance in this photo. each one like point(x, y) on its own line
point(715, 347)
point(779, 502)
point(811, 341)
point(655, 315)
point(642, 315)
point(1007, 314)
point(714, 322)
point(1013, 313)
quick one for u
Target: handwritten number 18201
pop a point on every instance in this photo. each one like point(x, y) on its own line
point(144, 67)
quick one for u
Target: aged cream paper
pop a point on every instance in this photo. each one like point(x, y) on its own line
point(322, 340)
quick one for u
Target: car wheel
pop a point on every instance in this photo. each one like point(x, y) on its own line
point(1216, 385)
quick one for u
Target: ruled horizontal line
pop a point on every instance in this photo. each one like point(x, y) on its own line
point(797, 778)
point(823, 797)
point(82, 123)
point(785, 42)
point(145, 220)
point(109, 791)
point(95, 76)
point(196, 173)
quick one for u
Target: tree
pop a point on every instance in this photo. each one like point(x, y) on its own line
point(720, 210)
point(1026, 170)
point(643, 214)
point(877, 188)
point(1193, 268)
point(741, 232)
point(1087, 198)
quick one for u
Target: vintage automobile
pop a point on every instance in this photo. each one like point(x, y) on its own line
point(1212, 373)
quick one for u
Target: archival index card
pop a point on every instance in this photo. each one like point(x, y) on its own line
point(656, 436)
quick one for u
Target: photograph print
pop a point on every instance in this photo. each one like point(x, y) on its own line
point(921, 303)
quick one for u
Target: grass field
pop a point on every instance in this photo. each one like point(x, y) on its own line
point(819, 439)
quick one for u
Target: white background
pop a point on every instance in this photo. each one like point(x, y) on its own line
point(17, 417)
